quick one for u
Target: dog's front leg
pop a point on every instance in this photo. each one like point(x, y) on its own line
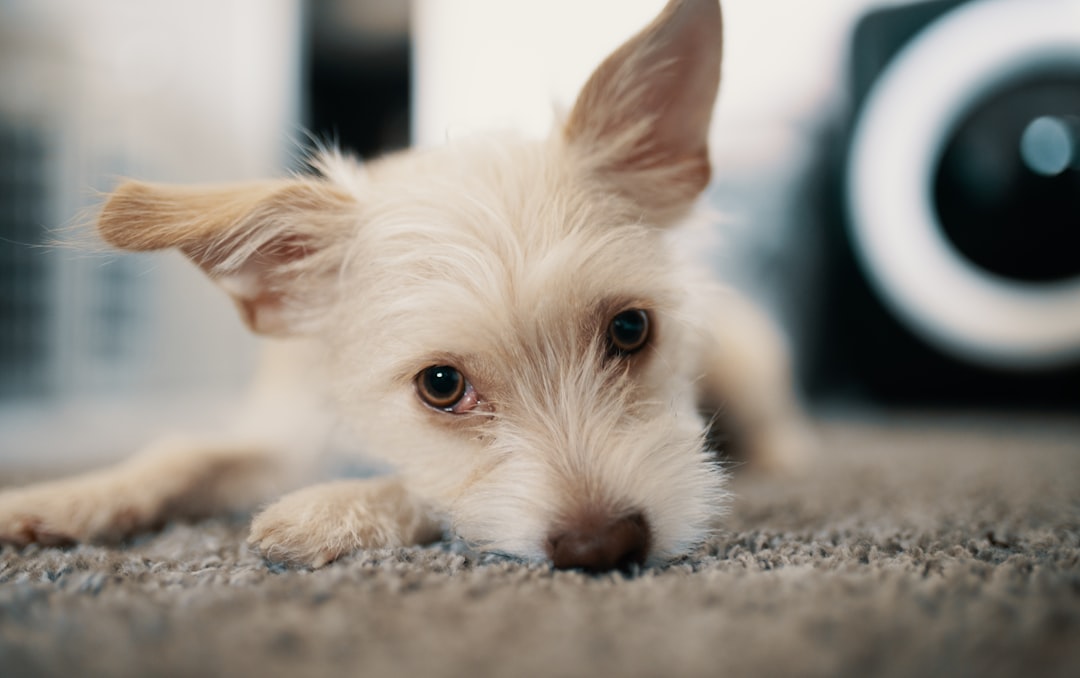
point(279, 432)
point(316, 525)
point(173, 479)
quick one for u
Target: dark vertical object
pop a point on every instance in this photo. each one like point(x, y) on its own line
point(24, 284)
point(358, 83)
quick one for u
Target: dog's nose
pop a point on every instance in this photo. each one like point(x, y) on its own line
point(614, 545)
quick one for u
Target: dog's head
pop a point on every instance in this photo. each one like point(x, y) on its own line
point(506, 322)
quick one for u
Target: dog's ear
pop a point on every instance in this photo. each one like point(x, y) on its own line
point(642, 120)
point(269, 244)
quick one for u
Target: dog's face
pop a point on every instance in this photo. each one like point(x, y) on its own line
point(534, 363)
point(506, 323)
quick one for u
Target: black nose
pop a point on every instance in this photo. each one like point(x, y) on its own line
point(602, 546)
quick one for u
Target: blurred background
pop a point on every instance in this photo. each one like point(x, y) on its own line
point(900, 181)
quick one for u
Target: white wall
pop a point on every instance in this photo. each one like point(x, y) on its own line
point(485, 63)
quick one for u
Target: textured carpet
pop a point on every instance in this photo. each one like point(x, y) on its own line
point(917, 546)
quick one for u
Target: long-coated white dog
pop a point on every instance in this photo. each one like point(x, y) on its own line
point(505, 322)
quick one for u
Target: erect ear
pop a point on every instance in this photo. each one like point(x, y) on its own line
point(270, 244)
point(642, 120)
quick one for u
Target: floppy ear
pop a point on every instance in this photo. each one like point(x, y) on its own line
point(269, 244)
point(642, 120)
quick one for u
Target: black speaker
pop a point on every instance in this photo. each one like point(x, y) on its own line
point(954, 242)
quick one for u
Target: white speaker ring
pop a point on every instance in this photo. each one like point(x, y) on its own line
point(896, 145)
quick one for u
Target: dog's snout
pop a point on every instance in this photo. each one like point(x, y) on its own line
point(600, 547)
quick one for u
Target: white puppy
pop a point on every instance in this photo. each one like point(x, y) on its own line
point(503, 321)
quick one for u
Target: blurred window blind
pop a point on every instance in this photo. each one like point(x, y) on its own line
point(24, 276)
point(193, 92)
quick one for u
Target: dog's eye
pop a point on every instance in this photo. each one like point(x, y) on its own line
point(628, 332)
point(442, 387)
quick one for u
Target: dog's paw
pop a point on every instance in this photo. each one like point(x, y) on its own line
point(63, 512)
point(787, 446)
point(319, 524)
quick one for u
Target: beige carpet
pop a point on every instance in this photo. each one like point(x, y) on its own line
point(918, 546)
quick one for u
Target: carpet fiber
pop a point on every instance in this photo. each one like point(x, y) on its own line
point(916, 546)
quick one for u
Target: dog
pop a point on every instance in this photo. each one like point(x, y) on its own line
point(506, 322)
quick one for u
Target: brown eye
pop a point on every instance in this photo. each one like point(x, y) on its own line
point(628, 332)
point(441, 387)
